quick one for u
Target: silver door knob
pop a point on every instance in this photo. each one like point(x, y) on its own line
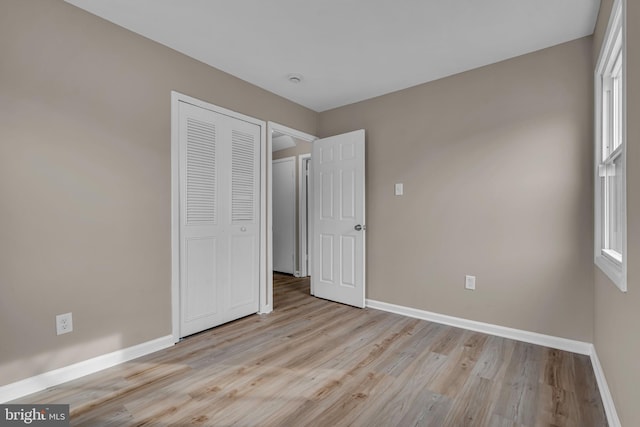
point(359, 227)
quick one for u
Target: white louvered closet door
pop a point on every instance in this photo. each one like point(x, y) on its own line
point(219, 224)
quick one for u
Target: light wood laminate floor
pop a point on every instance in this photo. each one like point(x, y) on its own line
point(314, 362)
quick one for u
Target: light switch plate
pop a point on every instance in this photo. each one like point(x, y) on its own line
point(470, 282)
point(399, 189)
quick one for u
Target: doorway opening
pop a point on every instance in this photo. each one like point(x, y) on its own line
point(288, 207)
point(336, 195)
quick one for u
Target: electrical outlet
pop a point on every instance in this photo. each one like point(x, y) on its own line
point(64, 323)
point(470, 282)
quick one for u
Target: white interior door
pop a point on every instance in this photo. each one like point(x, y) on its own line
point(338, 248)
point(284, 215)
point(219, 218)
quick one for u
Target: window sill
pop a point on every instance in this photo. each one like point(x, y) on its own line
point(613, 256)
point(613, 268)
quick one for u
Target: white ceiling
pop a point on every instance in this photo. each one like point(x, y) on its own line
point(349, 50)
point(281, 142)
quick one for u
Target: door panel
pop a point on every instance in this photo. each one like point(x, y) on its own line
point(219, 224)
point(338, 248)
point(284, 215)
point(200, 278)
point(326, 192)
point(348, 254)
point(243, 250)
point(326, 258)
point(348, 185)
point(244, 226)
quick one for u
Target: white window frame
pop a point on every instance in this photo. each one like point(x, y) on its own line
point(610, 146)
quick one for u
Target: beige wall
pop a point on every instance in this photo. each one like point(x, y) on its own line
point(85, 180)
point(496, 165)
point(617, 314)
point(301, 147)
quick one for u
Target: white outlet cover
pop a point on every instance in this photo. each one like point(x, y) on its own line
point(399, 189)
point(470, 282)
point(64, 323)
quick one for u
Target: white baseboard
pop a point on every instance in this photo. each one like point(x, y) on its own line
point(605, 393)
point(58, 376)
point(487, 328)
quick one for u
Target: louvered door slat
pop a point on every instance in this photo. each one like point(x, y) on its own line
point(243, 176)
point(201, 191)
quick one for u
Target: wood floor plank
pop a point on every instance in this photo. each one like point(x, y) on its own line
point(428, 409)
point(499, 421)
point(406, 402)
point(587, 393)
point(312, 362)
point(518, 400)
point(494, 360)
point(557, 406)
point(558, 369)
point(473, 407)
point(150, 377)
point(460, 365)
point(447, 341)
point(341, 392)
point(396, 362)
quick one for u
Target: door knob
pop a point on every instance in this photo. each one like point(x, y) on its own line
point(360, 227)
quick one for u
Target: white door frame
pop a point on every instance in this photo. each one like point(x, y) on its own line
point(265, 155)
point(304, 255)
point(268, 271)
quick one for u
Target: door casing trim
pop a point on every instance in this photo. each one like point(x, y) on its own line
point(303, 216)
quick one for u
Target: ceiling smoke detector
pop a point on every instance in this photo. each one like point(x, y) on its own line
point(295, 78)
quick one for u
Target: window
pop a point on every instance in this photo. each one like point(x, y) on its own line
point(610, 158)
